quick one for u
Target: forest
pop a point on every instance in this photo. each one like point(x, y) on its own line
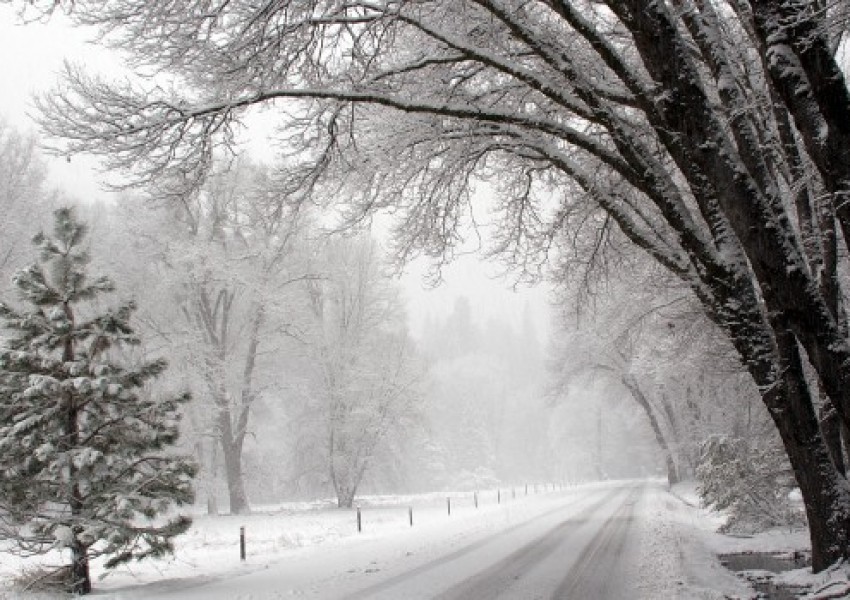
point(675, 171)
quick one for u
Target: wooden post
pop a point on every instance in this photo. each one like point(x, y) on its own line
point(526, 489)
point(359, 521)
point(242, 543)
point(449, 505)
point(513, 493)
point(410, 515)
point(475, 498)
point(498, 496)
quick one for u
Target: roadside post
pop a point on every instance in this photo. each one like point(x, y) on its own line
point(242, 543)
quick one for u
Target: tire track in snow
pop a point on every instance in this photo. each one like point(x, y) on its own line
point(487, 583)
point(593, 574)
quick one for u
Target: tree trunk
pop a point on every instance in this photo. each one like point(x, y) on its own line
point(344, 488)
point(210, 479)
point(825, 492)
point(233, 472)
point(345, 497)
point(80, 576)
point(845, 443)
point(233, 441)
point(231, 449)
point(236, 487)
point(805, 72)
point(830, 426)
point(631, 384)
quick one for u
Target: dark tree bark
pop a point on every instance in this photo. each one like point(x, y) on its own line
point(80, 575)
point(824, 488)
point(804, 70)
point(830, 426)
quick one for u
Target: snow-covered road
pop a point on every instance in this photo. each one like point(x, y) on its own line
point(562, 554)
point(579, 545)
point(607, 540)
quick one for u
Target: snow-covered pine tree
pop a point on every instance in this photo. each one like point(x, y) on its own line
point(85, 450)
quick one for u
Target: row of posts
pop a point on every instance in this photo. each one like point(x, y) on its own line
point(242, 553)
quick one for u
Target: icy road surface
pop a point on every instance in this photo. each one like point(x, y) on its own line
point(610, 541)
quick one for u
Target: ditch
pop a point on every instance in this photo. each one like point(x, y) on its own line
point(760, 569)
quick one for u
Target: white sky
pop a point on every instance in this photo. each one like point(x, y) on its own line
point(32, 55)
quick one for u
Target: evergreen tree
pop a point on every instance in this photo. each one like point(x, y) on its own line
point(84, 448)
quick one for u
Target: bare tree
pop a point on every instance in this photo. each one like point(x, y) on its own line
point(672, 117)
point(609, 343)
point(23, 197)
point(368, 374)
point(228, 254)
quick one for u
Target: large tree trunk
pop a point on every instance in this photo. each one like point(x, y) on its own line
point(632, 385)
point(830, 426)
point(845, 443)
point(233, 434)
point(235, 482)
point(825, 492)
point(232, 452)
point(804, 70)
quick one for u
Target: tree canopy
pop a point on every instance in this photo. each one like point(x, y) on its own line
point(714, 135)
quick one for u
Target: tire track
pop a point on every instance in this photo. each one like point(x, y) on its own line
point(502, 571)
point(592, 574)
point(509, 571)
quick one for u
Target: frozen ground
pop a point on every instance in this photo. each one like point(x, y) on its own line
point(653, 545)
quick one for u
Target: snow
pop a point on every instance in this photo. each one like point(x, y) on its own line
point(313, 549)
point(64, 536)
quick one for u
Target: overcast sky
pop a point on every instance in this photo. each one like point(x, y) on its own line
point(33, 54)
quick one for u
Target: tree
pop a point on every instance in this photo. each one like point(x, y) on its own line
point(223, 261)
point(748, 479)
point(22, 194)
point(85, 449)
point(712, 134)
point(367, 371)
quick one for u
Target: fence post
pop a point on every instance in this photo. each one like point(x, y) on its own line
point(498, 496)
point(526, 489)
point(410, 515)
point(359, 521)
point(513, 493)
point(242, 543)
point(475, 498)
point(449, 505)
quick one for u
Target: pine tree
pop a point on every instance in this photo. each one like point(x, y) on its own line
point(85, 451)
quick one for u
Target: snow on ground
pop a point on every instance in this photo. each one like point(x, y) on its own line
point(299, 532)
point(672, 553)
point(832, 584)
point(675, 558)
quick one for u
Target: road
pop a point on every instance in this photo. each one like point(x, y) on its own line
point(565, 554)
point(578, 547)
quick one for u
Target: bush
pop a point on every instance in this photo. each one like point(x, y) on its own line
point(750, 480)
